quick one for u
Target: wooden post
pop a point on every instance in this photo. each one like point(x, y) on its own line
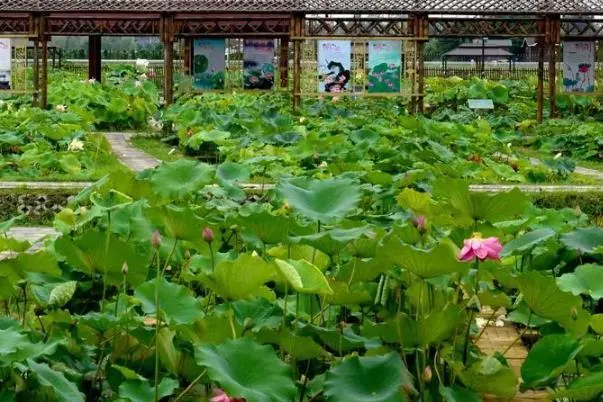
point(44, 44)
point(422, 32)
point(411, 76)
point(94, 58)
point(188, 56)
point(167, 38)
point(284, 62)
point(540, 87)
point(554, 39)
point(297, 31)
point(36, 71)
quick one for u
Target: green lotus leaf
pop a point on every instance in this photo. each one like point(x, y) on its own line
point(241, 278)
point(547, 360)
point(322, 200)
point(585, 280)
point(231, 172)
point(458, 394)
point(9, 223)
point(369, 379)
point(214, 328)
point(304, 277)
point(357, 293)
point(181, 179)
point(332, 240)
point(23, 264)
point(201, 137)
point(337, 340)
point(111, 200)
point(298, 346)
point(271, 229)
point(61, 294)
point(301, 252)
point(87, 254)
point(245, 369)
point(596, 323)
point(439, 260)
point(526, 243)
point(258, 313)
point(418, 203)
point(177, 305)
point(586, 388)
point(141, 391)
point(490, 376)
point(547, 300)
point(64, 390)
point(70, 164)
point(586, 240)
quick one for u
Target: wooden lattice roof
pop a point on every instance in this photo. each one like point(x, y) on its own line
point(481, 7)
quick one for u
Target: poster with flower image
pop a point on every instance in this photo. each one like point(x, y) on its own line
point(334, 65)
point(209, 63)
point(5, 63)
point(384, 60)
point(579, 66)
point(258, 63)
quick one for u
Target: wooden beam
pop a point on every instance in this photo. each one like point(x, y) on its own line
point(554, 39)
point(94, 57)
point(284, 62)
point(188, 56)
point(540, 87)
point(167, 38)
point(44, 97)
point(297, 30)
point(36, 71)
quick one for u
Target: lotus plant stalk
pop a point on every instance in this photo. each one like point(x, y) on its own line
point(156, 243)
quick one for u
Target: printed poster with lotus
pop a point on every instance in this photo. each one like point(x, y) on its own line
point(384, 66)
point(258, 63)
point(579, 66)
point(209, 63)
point(334, 65)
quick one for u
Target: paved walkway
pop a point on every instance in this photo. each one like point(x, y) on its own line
point(534, 188)
point(129, 155)
point(45, 185)
point(497, 339)
point(34, 235)
point(593, 173)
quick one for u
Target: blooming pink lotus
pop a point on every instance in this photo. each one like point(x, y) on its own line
point(220, 396)
point(477, 247)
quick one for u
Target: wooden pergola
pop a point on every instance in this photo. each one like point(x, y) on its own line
point(294, 21)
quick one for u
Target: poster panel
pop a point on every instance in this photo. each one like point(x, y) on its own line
point(578, 66)
point(209, 63)
point(258, 63)
point(5, 63)
point(384, 60)
point(334, 65)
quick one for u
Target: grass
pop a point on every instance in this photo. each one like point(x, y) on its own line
point(158, 149)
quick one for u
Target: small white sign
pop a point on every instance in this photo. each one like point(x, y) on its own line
point(481, 104)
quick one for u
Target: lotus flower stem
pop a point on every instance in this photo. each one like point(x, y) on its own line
point(466, 347)
point(158, 277)
point(107, 243)
point(190, 386)
point(521, 334)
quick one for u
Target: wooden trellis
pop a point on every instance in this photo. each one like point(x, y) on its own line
point(297, 23)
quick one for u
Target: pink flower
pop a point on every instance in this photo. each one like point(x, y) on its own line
point(420, 222)
point(220, 396)
point(476, 247)
point(208, 234)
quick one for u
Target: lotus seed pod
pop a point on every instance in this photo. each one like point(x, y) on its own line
point(156, 239)
point(124, 268)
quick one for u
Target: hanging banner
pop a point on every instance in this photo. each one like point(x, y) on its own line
point(258, 63)
point(5, 63)
point(579, 66)
point(334, 65)
point(384, 60)
point(209, 63)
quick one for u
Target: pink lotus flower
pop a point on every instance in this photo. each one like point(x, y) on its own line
point(420, 222)
point(476, 247)
point(220, 396)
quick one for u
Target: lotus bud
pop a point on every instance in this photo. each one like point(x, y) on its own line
point(156, 239)
point(574, 313)
point(168, 268)
point(420, 222)
point(124, 268)
point(286, 206)
point(427, 374)
point(248, 323)
point(559, 155)
point(578, 210)
point(187, 254)
point(208, 234)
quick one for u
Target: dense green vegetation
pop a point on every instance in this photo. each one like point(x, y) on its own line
point(358, 276)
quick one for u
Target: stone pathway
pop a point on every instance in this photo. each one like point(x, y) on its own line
point(129, 155)
point(592, 173)
point(44, 185)
point(34, 235)
point(534, 188)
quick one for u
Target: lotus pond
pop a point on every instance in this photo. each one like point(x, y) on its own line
point(362, 275)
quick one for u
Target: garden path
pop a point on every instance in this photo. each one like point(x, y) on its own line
point(129, 155)
point(499, 339)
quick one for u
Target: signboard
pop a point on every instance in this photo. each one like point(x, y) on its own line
point(209, 63)
point(481, 104)
point(579, 66)
point(334, 65)
point(258, 63)
point(384, 60)
point(5, 63)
